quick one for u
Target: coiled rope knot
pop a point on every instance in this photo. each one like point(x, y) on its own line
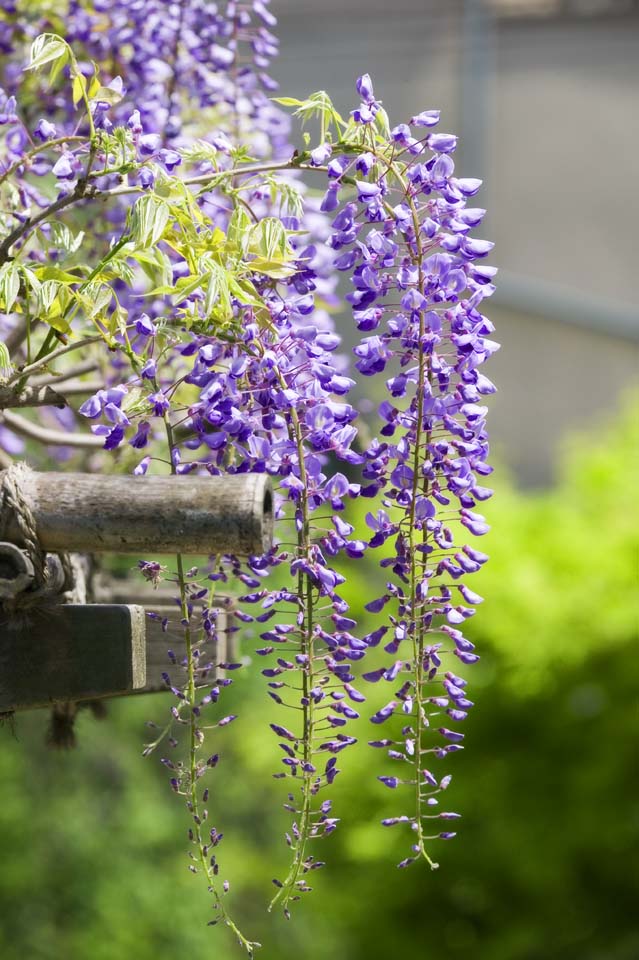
point(52, 574)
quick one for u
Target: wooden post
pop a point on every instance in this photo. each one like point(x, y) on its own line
point(65, 652)
point(87, 651)
point(158, 640)
point(148, 516)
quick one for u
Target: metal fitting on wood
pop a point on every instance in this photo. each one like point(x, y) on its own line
point(16, 571)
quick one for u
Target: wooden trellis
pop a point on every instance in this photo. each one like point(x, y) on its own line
point(53, 650)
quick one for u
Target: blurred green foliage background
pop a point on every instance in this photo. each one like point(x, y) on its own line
point(92, 843)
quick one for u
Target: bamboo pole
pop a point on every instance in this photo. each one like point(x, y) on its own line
point(148, 516)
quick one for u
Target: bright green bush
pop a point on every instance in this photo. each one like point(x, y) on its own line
point(542, 869)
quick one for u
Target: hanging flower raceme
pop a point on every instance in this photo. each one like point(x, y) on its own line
point(274, 402)
point(418, 288)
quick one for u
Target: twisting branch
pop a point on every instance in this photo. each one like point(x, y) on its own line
point(54, 438)
point(45, 380)
point(81, 192)
point(30, 396)
point(54, 355)
point(84, 191)
point(80, 387)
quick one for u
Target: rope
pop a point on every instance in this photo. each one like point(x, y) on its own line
point(14, 506)
point(15, 510)
point(58, 579)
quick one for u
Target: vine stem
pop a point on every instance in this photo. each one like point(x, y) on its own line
point(418, 625)
point(417, 622)
point(85, 192)
point(305, 590)
point(30, 368)
point(58, 141)
point(193, 804)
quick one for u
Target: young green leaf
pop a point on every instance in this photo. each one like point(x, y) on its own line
point(9, 285)
point(5, 361)
point(149, 218)
point(47, 48)
point(269, 244)
point(63, 239)
point(238, 232)
point(217, 292)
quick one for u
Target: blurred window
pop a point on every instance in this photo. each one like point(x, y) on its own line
point(550, 8)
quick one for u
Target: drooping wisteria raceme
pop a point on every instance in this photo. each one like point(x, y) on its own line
point(164, 266)
point(404, 239)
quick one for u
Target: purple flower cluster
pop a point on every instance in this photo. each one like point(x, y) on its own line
point(198, 54)
point(418, 286)
point(233, 366)
point(274, 400)
point(191, 50)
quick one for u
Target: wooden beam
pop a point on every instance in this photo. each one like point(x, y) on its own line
point(161, 601)
point(70, 652)
point(148, 516)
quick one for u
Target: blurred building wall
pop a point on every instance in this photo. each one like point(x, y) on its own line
point(545, 95)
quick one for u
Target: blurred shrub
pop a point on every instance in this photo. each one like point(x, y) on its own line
point(92, 853)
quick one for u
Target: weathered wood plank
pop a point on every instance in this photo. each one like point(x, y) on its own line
point(159, 642)
point(149, 516)
point(161, 601)
point(71, 652)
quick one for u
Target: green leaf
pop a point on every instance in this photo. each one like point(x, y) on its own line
point(31, 281)
point(269, 244)
point(288, 101)
point(382, 123)
point(46, 295)
point(272, 268)
point(51, 300)
point(78, 88)
point(269, 239)
point(118, 321)
point(9, 285)
point(106, 95)
point(63, 238)
point(118, 267)
point(245, 292)
point(184, 287)
point(149, 218)
point(290, 196)
point(96, 298)
point(217, 292)
point(318, 105)
point(47, 48)
point(187, 285)
point(238, 232)
point(5, 361)
point(199, 152)
point(169, 188)
point(51, 272)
